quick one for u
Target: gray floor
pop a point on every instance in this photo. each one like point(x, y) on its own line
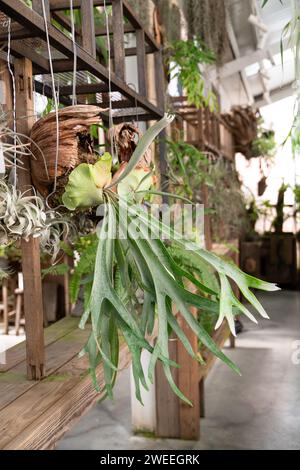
point(260, 410)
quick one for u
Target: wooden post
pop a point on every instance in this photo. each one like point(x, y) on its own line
point(174, 418)
point(167, 403)
point(88, 27)
point(38, 7)
point(141, 61)
point(188, 383)
point(33, 300)
point(118, 38)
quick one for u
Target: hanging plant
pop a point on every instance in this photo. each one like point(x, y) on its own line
point(185, 59)
point(75, 145)
point(133, 279)
point(187, 169)
point(226, 201)
point(207, 19)
point(243, 123)
point(264, 145)
point(23, 215)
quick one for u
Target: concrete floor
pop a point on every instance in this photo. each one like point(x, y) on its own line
point(260, 410)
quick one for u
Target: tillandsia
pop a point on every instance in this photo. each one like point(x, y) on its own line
point(23, 215)
point(133, 279)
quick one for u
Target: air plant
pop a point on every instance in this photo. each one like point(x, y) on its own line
point(23, 215)
point(134, 278)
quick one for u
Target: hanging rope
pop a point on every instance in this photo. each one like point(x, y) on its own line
point(74, 97)
point(14, 103)
point(54, 97)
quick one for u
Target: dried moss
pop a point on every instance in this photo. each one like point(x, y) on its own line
point(207, 20)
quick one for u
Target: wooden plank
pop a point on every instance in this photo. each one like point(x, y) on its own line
point(189, 422)
point(167, 403)
point(22, 50)
point(37, 6)
point(14, 382)
point(33, 299)
point(16, 354)
point(219, 337)
point(17, 32)
point(159, 79)
point(47, 410)
point(141, 61)
point(88, 27)
point(118, 38)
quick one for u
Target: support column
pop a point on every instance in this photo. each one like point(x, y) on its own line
point(174, 418)
point(118, 38)
point(33, 301)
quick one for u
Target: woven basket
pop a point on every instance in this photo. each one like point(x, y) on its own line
point(75, 145)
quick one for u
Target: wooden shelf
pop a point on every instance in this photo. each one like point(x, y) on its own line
point(29, 40)
point(35, 414)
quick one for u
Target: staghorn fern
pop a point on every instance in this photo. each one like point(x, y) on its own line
point(144, 263)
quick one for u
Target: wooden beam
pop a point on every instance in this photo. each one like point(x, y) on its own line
point(37, 6)
point(129, 13)
point(141, 61)
point(118, 38)
point(167, 403)
point(16, 10)
point(189, 416)
point(277, 94)
point(21, 49)
point(87, 88)
point(46, 90)
point(238, 64)
point(33, 300)
point(17, 32)
point(88, 27)
point(237, 54)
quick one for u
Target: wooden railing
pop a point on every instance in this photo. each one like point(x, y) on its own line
point(204, 129)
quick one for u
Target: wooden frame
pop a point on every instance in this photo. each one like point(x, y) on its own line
point(174, 418)
point(205, 129)
point(30, 23)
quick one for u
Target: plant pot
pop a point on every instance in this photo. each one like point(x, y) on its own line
point(75, 145)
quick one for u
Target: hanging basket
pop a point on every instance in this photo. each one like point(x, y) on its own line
point(75, 145)
point(243, 122)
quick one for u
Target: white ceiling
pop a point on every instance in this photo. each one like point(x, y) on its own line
point(259, 79)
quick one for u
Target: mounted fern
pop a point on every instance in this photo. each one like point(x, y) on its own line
point(132, 279)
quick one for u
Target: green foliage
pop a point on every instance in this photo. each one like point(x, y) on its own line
point(278, 221)
point(82, 274)
point(4, 273)
point(131, 279)
point(264, 145)
point(56, 270)
point(185, 60)
point(225, 198)
point(188, 169)
point(50, 106)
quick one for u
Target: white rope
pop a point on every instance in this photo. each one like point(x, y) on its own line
point(110, 117)
point(54, 96)
point(74, 97)
point(14, 103)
